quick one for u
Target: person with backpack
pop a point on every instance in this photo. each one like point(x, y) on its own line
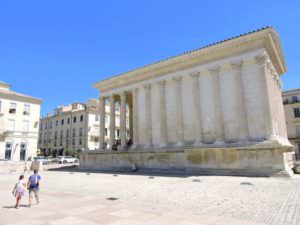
point(33, 186)
point(19, 190)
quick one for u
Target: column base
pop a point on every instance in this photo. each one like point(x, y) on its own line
point(134, 146)
point(163, 145)
point(179, 144)
point(197, 143)
point(219, 142)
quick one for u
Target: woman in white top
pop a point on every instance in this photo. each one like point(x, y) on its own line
point(19, 190)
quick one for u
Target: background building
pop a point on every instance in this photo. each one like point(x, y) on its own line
point(19, 118)
point(291, 101)
point(73, 127)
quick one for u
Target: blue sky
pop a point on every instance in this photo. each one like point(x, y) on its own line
point(56, 50)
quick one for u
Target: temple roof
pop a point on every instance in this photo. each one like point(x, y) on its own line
point(265, 37)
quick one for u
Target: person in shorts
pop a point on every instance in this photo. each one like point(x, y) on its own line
point(33, 186)
point(19, 190)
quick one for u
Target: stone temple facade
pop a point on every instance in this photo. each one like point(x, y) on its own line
point(213, 110)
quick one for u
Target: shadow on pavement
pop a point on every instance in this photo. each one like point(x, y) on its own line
point(74, 169)
point(13, 206)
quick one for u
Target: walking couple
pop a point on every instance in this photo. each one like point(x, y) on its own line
point(33, 185)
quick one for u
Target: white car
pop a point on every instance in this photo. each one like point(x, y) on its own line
point(41, 159)
point(67, 159)
point(297, 167)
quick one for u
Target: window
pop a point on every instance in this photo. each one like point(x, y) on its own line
point(13, 108)
point(8, 150)
point(294, 99)
point(49, 138)
point(55, 138)
point(74, 119)
point(62, 122)
point(56, 123)
point(25, 126)
point(97, 117)
point(105, 130)
point(61, 137)
point(68, 121)
point(81, 118)
point(40, 138)
point(80, 141)
point(11, 124)
point(73, 136)
point(67, 138)
point(118, 133)
point(298, 131)
point(22, 151)
point(297, 112)
point(50, 124)
point(80, 132)
point(26, 109)
point(45, 138)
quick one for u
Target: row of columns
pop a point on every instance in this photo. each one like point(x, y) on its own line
point(112, 116)
point(241, 108)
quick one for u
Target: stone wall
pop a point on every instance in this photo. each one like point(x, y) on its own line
point(243, 161)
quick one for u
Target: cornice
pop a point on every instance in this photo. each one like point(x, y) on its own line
point(266, 38)
point(26, 99)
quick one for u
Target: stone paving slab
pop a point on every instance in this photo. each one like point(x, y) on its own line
point(75, 199)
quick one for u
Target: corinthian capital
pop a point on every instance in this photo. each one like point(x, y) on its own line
point(236, 64)
point(195, 74)
point(147, 86)
point(161, 82)
point(177, 79)
point(261, 58)
point(214, 69)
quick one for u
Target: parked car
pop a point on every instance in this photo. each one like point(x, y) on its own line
point(297, 167)
point(67, 159)
point(41, 159)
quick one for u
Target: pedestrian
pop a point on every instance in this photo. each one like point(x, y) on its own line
point(25, 167)
point(33, 186)
point(19, 190)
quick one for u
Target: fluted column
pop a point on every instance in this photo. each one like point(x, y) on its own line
point(135, 117)
point(112, 119)
point(148, 115)
point(130, 118)
point(123, 120)
point(219, 123)
point(240, 100)
point(179, 112)
point(197, 107)
point(261, 61)
point(102, 122)
point(162, 113)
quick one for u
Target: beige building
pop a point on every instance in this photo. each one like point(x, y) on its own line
point(73, 127)
point(19, 118)
point(216, 109)
point(291, 101)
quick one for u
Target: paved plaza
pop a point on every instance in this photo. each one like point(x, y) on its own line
point(73, 198)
